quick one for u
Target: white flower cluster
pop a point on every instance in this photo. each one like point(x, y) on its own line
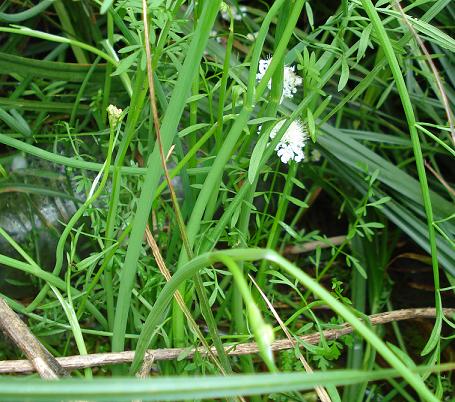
point(292, 143)
point(290, 79)
point(114, 114)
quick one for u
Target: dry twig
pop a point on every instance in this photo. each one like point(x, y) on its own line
point(105, 359)
point(38, 356)
point(439, 84)
point(312, 245)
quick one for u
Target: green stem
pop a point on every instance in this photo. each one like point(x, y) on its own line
point(387, 47)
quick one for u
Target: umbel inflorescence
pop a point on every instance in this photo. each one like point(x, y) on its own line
point(294, 139)
point(290, 79)
point(292, 142)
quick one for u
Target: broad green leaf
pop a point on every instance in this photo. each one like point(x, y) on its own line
point(192, 129)
point(125, 64)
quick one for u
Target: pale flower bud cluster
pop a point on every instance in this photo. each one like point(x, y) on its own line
point(292, 143)
point(290, 79)
point(114, 114)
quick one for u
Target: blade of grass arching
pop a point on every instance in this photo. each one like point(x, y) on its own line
point(58, 107)
point(55, 70)
point(63, 160)
point(184, 388)
point(51, 280)
point(27, 14)
point(188, 270)
point(21, 30)
point(8, 187)
point(408, 109)
point(168, 130)
point(73, 43)
point(322, 393)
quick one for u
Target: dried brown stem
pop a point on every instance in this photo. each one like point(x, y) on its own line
point(38, 356)
point(441, 179)
point(312, 245)
point(105, 359)
point(433, 68)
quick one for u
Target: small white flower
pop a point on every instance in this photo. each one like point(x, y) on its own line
point(237, 14)
point(214, 34)
point(290, 79)
point(252, 36)
point(114, 114)
point(18, 163)
point(292, 143)
point(315, 155)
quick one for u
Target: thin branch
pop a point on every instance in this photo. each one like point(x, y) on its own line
point(38, 356)
point(105, 359)
point(312, 245)
point(433, 68)
point(441, 179)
